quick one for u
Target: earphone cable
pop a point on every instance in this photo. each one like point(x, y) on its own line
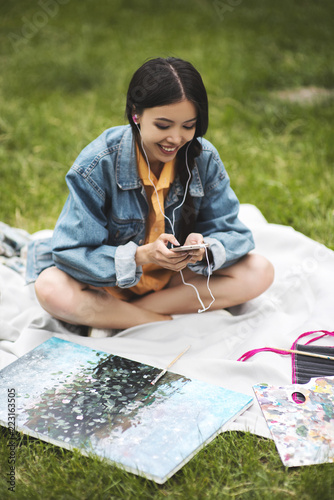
point(173, 223)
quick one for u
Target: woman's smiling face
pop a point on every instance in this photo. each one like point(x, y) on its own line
point(165, 129)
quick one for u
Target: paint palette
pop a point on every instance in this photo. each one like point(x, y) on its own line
point(301, 420)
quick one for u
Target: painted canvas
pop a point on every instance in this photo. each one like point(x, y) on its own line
point(77, 397)
point(301, 420)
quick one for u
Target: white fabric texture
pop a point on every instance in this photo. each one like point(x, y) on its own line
point(300, 299)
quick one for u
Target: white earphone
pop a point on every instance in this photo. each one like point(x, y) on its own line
point(135, 120)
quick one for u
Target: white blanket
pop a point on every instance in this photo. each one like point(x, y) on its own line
point(301, 299)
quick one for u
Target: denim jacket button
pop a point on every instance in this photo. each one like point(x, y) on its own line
point(140, 242)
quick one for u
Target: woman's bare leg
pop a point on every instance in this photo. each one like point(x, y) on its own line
point(72, 301)
point(69, 300)
point(234, 285)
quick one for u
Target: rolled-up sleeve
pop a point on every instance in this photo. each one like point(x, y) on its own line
point(127, 272)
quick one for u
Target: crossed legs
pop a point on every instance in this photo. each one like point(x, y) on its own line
point(74, 302)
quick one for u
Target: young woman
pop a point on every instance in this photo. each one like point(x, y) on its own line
point(136, 192)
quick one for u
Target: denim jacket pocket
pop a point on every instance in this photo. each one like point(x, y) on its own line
point(123, 231)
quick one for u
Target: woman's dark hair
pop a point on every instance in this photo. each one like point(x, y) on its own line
point(159, 82)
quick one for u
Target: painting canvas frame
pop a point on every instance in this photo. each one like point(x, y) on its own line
point(82, 398)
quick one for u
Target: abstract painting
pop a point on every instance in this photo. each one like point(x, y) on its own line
point(77, 397)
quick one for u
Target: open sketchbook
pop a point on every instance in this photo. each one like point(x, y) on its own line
point(77, 397)
point(301, 420)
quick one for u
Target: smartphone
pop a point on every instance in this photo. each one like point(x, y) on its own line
point(188, 248)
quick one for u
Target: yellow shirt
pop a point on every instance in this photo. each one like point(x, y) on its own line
point(154, 277)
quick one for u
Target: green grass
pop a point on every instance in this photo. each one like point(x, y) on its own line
point(63, 80)
point(233, 466)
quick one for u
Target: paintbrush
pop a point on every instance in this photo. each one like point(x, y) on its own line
point(304, 353)
point(162, 373)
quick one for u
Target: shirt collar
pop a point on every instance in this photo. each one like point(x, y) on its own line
point(167, 174)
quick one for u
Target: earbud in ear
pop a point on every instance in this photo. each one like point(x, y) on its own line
point(135, 119)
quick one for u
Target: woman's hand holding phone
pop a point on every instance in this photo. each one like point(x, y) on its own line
point(176, 258)
point(194, 246)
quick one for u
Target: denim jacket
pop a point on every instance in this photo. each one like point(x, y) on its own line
point(104, 218)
